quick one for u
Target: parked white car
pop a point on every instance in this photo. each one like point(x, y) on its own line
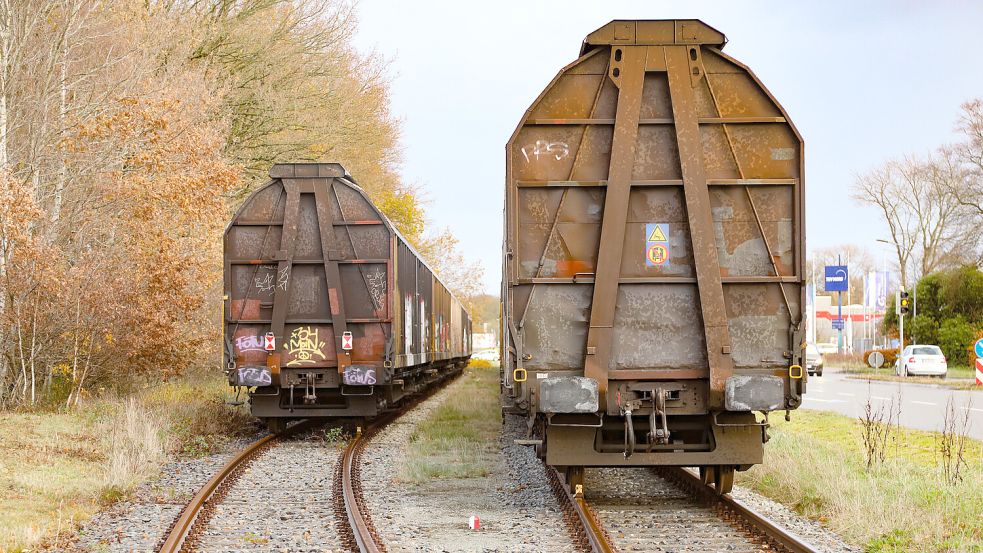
point(814, 360)
point(921, 360)
point(825, 348)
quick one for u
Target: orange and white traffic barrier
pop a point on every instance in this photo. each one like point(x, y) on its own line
point(979, 372)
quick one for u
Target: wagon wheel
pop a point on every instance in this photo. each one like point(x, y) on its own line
point(575, 477)
point(724, 479)
point(706, 475)
point(276, 425)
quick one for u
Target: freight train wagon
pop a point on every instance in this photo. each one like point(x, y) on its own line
point(329, 312)
point(653, 256)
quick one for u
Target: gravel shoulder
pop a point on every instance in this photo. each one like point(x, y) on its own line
point(139, 523)
point(514, 502)
point(809, 531)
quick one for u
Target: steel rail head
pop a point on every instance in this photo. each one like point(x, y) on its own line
point(591, 527)
point(186, 521)
point(359, 523)
point(781, 536)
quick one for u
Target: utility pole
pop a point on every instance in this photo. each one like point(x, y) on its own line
point(914, 309)
point(839, 311)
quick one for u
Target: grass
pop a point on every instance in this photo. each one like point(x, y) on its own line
point(57, 469)
point(958, 377)
point(458, 439)
point(815, 464)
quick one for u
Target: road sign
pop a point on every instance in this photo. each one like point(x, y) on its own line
point(979, 347)
point(875, 359)
point(837, 279)
point(269, 342)
point(346, 341)
point(837, 324)
point(979, 372)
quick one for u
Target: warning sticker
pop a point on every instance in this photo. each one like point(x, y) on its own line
point(657, 244)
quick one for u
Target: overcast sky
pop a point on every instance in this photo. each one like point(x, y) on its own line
point(863, 82)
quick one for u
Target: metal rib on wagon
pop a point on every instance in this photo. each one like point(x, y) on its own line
point(653, 256)
point(329, 311)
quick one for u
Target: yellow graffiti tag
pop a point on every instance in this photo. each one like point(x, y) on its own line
point(303, 346)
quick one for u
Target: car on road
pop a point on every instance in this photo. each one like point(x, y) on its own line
point(824, 348)
point(921, 360)
point(814, 360)
point(486, 354)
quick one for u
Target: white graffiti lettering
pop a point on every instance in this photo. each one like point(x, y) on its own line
point(359, 376)
point(283, 277)
point(249, 343)
point(376, 282)
point(558, 150)
point(265, 283)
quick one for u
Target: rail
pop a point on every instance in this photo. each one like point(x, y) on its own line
point(586, 529)
point(366, 538)
point(189, 521)
point(780, 536)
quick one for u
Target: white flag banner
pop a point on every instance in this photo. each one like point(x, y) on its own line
point(870, 290)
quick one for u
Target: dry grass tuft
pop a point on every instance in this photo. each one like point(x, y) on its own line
point(59, 468)
point(816, 465)
point(137, 447)
point(459, 438)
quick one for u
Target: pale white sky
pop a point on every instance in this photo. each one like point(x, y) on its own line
point(863, 82)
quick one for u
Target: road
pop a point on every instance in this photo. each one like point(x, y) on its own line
point(922, 405)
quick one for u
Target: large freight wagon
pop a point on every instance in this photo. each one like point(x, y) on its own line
point(653, 256)
point(329, 312)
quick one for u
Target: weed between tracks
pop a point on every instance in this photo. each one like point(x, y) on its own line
point(59, 468)
point(816, 465)
point(457, 437)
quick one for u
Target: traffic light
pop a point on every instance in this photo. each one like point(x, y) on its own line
point(905, 303)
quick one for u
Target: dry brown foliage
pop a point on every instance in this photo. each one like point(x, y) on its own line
point(129, 131)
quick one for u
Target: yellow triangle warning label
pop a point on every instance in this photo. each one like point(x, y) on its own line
point(657, 235)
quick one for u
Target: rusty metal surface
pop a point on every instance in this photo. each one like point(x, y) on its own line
point(654, 234)
point(309, 258)
point(653, 126)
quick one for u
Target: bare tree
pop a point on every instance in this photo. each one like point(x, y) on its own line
point(928, 224)
point(882, 187)
point(970, 153)
point(946, 235)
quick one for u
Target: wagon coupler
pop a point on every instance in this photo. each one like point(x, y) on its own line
point(310, 395)
point(658, 427)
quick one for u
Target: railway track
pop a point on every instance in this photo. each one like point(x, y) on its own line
point(341, 512)
point(664, 509)
point(355, 531)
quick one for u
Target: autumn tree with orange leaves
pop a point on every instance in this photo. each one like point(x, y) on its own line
point(129, 132)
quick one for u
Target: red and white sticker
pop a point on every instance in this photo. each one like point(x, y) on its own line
point(474, 522)
point(269, 342)
point(346, 341)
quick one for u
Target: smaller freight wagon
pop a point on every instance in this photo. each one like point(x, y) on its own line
point(328, 311)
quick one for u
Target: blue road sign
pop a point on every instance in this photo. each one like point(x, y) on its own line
point(837, 324)
point(837, 279)
point(979, 347)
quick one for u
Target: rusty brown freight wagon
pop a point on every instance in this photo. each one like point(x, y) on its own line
point(653, 282)
point(329, 312)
